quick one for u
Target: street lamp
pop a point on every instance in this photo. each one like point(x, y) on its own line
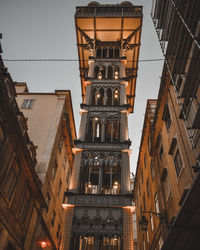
point(144, 222)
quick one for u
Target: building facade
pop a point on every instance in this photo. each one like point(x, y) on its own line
point(174, 137)
point(52, 129)
point(21, 200)
point(99, 202)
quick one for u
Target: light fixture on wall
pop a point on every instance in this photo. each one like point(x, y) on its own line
point(144, 222)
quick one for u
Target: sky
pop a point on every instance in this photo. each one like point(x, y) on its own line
point(35, 29)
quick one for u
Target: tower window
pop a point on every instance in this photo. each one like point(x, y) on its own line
point(110, 72)
point(99, 52)
point(110, 52)
point(104, 52)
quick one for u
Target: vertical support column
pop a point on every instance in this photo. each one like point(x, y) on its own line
point(104, 97)
point(82, 129)
point(127, 229)
point(93, 129)
point(125, 174)
point(103, 131)
point(110, 179)
point(112, 131)
point(65, 241)
point(91, 69)
point(76, 170)
point(100, 179)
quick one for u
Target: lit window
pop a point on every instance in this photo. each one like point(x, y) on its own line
point(11, 180)
point(151, 222)
point(27, 104)
point(156, 203)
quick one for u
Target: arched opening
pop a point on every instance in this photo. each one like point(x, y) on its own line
point(116, 72)
point(103, 72)
point(116, 130)
point(89, 129)
point(110, 72)
point(101, 97)
point(116, 97)
point(96, 71)
point(108, 131)
point(109, 97)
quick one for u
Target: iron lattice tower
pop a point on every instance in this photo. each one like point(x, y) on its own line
point(99, 204)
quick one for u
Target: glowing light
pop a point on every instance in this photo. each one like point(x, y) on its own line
point(96, 118)
point(116, 77)
point(89, 185)
point(98, 95)
point(99, 76)
point(43, 244)
point(116, 183)
point(116, 96)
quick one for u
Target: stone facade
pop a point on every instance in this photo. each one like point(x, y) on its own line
point(51, 127)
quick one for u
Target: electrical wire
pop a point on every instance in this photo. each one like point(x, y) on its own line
point(73, 60)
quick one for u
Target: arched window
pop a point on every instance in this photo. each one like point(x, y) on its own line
point(116, 97)
point(110, 72)
point(89, 129)
point(116, 131)
point(101, 97)
point(109, 97)
point(96, 71)
point(97, 130)
point(93, 98)
point(98, 55)
point(103, 72)
point(116, 72)
point(108, 131)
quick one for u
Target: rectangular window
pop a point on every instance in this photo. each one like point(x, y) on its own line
point(167, 188)
point(27, 103)
point(156, 203)
point(166, 117)
point(152, 171)
point(54, 170)
point(178, 162)
point(59, 187)
point(11, 180)
point(161, 152)
point(53, 218)
point(151, 222)
point(144, 204)
point(145, 160)
point(147, 184)
point(47, 199)
point(23, 210)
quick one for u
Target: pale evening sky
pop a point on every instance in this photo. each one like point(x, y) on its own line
point(45, 29)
